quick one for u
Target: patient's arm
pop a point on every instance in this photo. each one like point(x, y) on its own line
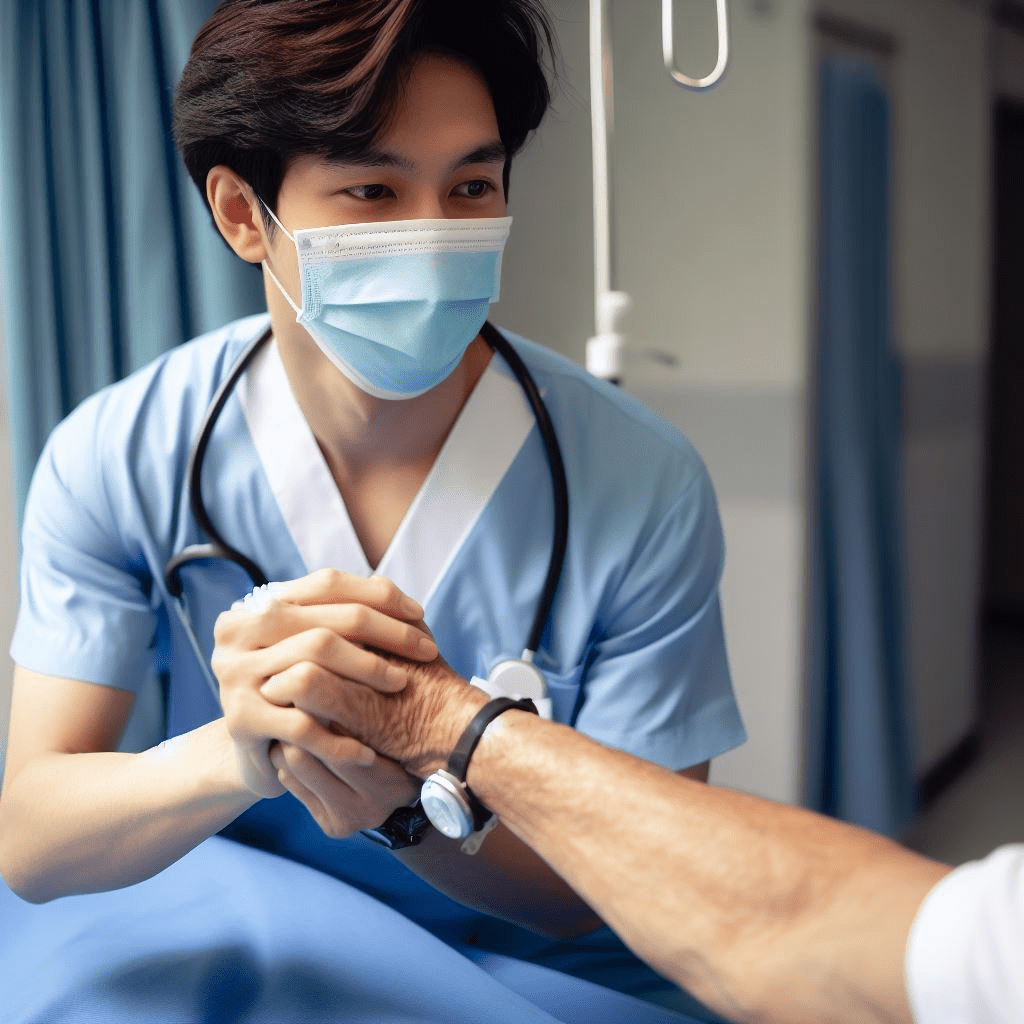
point(765, 912)
point(508, 879)
point(504, 878)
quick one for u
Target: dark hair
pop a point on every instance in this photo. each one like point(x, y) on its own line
point(269, 80)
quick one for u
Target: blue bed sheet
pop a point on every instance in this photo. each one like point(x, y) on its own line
point(234, 934)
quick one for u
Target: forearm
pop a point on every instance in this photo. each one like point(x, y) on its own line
point(506, 879)
point(763, 911)
point(75, 823)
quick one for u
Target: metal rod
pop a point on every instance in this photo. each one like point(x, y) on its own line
point(601, 122)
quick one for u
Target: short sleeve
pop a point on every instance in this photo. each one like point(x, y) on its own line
point(965, 954)
point(85, 611)
point(658, 683)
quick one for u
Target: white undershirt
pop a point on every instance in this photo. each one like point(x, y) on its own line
point(965, 955)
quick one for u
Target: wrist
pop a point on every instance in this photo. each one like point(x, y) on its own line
point(235, 771)
point(500, 741)
point(454, 809)
point(446, 727)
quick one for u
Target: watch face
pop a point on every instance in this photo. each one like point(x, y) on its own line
point(446, 808)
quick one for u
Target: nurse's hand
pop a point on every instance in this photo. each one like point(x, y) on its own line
point(343, 798)
point(326, 628)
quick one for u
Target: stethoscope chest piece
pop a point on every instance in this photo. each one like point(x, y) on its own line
point(517, 678)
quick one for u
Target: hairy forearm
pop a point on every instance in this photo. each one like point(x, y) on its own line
point(766, 912)
point(76, 823)
point(506, 879)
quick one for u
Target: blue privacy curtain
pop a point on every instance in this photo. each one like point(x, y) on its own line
point(107, 254)
point(859, 765)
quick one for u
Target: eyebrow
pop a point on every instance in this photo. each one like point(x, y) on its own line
point(490, 152)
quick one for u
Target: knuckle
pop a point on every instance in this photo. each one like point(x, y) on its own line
point(383, 589)
point(300, 728)
point(228, 632)
point(223, 627)
point(330, 578)
point(357, 618)
point(321, 640)
point(270, 617)
point(306, 674)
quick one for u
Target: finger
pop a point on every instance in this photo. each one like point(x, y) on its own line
point(372, 791)
point(332, 586)
point(324, 650)
point(326, 696)
point(357, 623)
point(338, 807)
point(260, 719)
point(308, 799)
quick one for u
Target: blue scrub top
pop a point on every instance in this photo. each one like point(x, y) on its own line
point(634, 651)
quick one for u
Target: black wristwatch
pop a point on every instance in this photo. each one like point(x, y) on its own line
point(449, 803)
point(405, 827)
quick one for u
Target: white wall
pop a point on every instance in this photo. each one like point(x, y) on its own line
point(711, 198)
point(712, 217)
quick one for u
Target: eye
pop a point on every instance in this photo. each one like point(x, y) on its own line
point(368, 192)
point(474, 189)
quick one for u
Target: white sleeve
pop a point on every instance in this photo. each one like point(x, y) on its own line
point(965, 954)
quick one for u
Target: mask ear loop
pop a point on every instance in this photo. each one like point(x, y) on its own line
point(266, 265)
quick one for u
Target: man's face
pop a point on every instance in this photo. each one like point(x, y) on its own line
point(441, 157)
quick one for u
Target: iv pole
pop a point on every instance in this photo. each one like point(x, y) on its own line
point(605, 350)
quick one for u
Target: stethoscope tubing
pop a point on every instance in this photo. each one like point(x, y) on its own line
point(218, 547)
point(560, 487)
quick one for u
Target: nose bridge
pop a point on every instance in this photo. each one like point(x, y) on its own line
point(427, 204)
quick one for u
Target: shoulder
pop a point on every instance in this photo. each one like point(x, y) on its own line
point(173, 389)
point(607, 433)
point(118, 435)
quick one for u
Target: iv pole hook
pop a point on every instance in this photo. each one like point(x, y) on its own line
point(668, 49)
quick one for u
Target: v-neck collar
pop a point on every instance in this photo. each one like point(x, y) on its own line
point(481, 446)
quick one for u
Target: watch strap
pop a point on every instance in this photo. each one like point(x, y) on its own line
point(404, 827)
point(458, 761)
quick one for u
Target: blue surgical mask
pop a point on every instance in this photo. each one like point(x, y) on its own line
point(394, 305)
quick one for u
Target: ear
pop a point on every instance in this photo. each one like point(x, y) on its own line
point(235, 211)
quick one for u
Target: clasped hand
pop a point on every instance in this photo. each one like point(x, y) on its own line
point(327, 631)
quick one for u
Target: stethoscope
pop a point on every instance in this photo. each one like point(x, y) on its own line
point(512, 677)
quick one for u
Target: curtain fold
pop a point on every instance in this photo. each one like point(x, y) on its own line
point(859, 763)
point(107, 253)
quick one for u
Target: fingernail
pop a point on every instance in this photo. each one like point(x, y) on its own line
point(367, 756)
point(412, 608)
point(396, 677)
point(427, 647)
